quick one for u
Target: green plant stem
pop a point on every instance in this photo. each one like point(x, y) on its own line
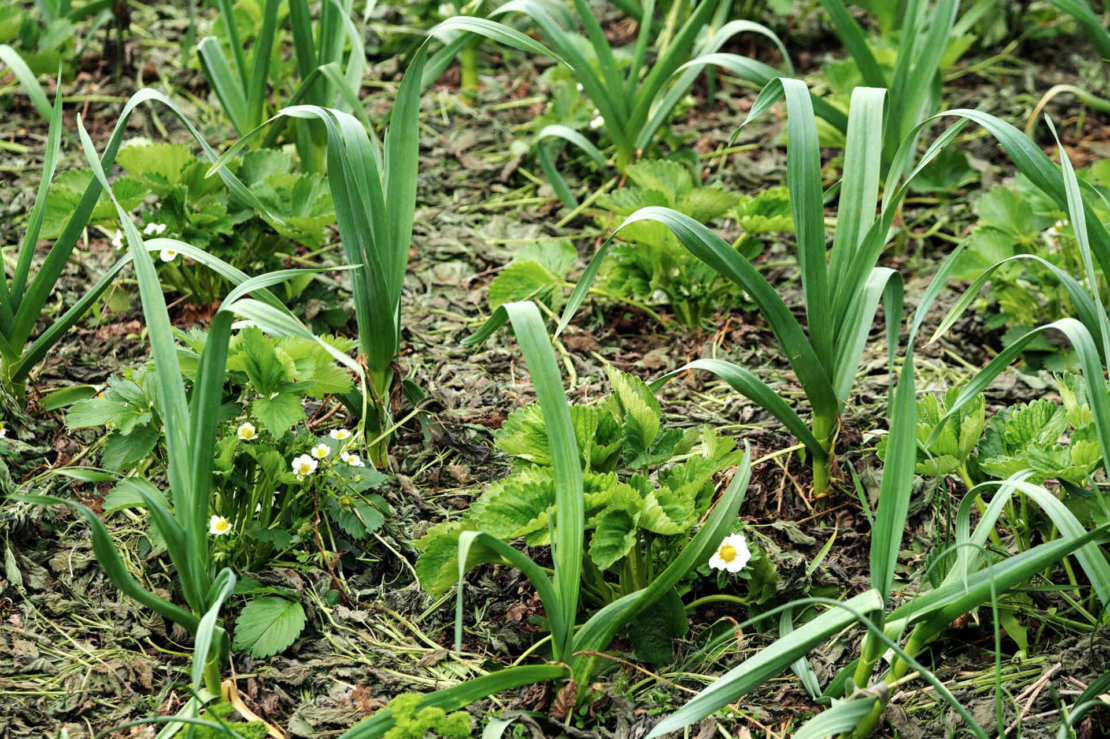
point(917, 641)
point(468, 61)
point(822, 429)
point(212, 674)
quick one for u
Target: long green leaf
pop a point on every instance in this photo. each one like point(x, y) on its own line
point(751, 387)
point(11, 299)
point(1092, 24)
point(26, 77)
point(719, 254)
point(173, 406)
point(851, 35)
point(208, 631)
point(842, 717)
point(519, 560)
point(557, 131)
point(223, 82)
point(539, 355)
point(260, 63)
point(1090, 557)
point(768, 662)
point(860, 192)
point(44, 280)
point(563, 48)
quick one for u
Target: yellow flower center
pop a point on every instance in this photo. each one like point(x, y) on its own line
point(222, 525)
point(727, 553)
point(305, 468)
point(247, 433)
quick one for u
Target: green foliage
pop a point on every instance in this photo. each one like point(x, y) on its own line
point(267, 626)
point(43, 45)
point(66, 191)
point(918, 42)
point(328, 64)
point(653, 267)
point(537, 272)
point(842, 290)
point(260, 432)
point(415, 722)
point(277, 372)
point(132, 421)
point(633, 99)
point(633, 523)
point(202, 211)
point(1028, 436)
point(1023, 238)
point(626, 425)
point(955, 439)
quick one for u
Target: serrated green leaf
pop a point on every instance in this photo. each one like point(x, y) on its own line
point(656, 629)
point(265, 367)
point(123, 452)
point(636, 406)
point(517, 506)
point(437, 568)
point(278, 413)
point(160, 166)
point(267, 626)
point(523, 281)
point(703, 204)
point(613, 537)
point(662, 175)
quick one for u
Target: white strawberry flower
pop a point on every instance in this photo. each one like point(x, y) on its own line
point(339, 434)
point(218, 526)
point(117, 240)
point(154, 229)
point(321, 451)
point(352, 459)
point(304, 465)
point(731, 555)
point(247, 431)
point(597, 121)
point(168, 255)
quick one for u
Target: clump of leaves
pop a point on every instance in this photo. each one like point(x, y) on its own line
point(277, 373)
point(1021, 224)
point(628, 425)
point(413, 722)
point(635, 522)
point(652, 266)
point(42, 45)
point(954, 443)
point(268, 379)
point(537, 272)
point(126, 409)
point(1057, 441)
point(651, 269)
point(202, 211)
